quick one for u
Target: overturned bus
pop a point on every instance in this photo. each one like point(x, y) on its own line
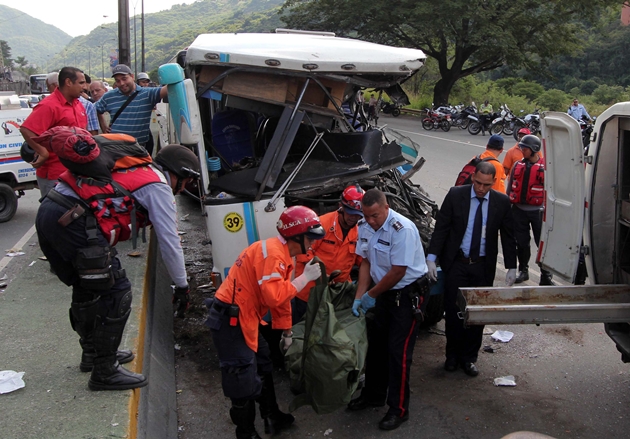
point(277, 120)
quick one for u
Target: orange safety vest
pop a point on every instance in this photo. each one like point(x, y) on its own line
point(528, 183)
point(259, 281)
point(335, 252)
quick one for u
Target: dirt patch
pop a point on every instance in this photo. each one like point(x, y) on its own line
point(572, 334)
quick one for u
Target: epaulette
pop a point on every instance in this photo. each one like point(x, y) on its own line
point(397, 225)
point(361, 221)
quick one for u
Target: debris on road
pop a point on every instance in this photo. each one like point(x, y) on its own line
point(503, 336)
point(327, 432)
point(134, 254)
point(507, 381)
point(10, 381)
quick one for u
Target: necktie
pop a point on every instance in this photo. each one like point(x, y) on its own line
point(475, 242)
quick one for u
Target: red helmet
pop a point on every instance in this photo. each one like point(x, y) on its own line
point(524, 131)
point(351, 200)
point(300, 220)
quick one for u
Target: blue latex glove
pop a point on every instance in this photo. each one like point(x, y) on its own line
point(355, 307)
point(367, 302)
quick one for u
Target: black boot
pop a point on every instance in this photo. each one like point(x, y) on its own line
point(523, 275)
point(545, 278)
point(274, 419)
point(243, 414)
point(107, 374)
point(82, 317)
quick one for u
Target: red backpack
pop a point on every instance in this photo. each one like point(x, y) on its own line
point(465, 175)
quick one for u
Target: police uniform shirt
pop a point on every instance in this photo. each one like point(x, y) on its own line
point(397, 242)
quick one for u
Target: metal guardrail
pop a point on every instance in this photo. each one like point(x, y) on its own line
point(412, 111)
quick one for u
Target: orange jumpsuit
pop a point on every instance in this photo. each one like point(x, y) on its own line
point(499, 184)
point(263, 281)
point(335, 252)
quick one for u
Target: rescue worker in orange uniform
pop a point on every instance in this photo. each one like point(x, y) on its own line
point(338, 248)
point(514, 154)
point(258, 282)
point(494, 148)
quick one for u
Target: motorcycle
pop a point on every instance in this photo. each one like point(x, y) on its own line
point(587, 129)
point(435, 120)
point(475, 122)
point(531, 121)
point(503, 123)
point(390, 108)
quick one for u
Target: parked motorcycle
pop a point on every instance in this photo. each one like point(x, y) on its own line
point(531, 121)
point(390, 108)
point(435, 120)
point(587, 130)
point(475, 122)
point(503, 123)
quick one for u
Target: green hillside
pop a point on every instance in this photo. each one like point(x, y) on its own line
point(29, 37)
point(169, 31)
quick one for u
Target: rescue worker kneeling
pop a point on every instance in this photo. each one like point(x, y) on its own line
point(259, 281)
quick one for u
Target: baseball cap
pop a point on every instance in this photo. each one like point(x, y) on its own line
point(121, 69)
point(495, 142)
point(142, 75)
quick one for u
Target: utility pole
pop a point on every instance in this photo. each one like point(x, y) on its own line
point(142, 37)
point(124, 51)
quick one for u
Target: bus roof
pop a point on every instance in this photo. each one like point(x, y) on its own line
point(304, 53)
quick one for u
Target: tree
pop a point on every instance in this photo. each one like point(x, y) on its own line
point(464, 36)
point(6, 54)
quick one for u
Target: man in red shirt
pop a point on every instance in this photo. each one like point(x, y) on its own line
point(61, 108)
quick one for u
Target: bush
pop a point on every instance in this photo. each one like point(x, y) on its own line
point(530, 90)
point(608, 94)
point(554, 100)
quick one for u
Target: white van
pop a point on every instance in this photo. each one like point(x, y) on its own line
point(587, 212)
point(16, 176)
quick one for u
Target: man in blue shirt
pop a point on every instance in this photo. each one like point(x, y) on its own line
point(136, 116)
point(577, 110)
point(465, 239)
point(392, 272)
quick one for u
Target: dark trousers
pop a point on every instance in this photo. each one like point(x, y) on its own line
point(462, 344)
point(523, 220)
point(60, 245)
point(392, 336)
point(241, 367)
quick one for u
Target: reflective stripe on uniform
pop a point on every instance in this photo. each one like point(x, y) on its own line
point(272, 275)
point(264, 250)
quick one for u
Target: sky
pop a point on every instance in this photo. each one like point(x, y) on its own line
point(79, 18)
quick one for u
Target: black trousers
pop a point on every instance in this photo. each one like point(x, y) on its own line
point(60, 245)
point(462, 344)
point(392, 334)
point(523, 220)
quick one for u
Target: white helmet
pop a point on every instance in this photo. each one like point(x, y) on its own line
point(142, 75)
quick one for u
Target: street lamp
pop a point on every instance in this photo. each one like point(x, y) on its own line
point(102, 63)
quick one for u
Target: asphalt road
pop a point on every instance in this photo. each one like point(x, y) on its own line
point(570, 382)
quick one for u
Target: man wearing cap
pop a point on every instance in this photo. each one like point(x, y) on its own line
point(61, 108)
point(577, 111)
point(494, 148)
point(129, 105)
point(338, 248)
point(143, 79)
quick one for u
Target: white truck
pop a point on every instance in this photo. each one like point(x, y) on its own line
point(587, 214)
point(16, 176)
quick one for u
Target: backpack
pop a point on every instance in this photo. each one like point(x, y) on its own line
point(94, 157)
point(329, 348)
point(465, 175)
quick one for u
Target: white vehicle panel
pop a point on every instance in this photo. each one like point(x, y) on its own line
point(559, 250)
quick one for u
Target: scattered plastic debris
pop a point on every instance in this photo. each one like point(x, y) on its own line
point(3, 284)
point(327, 432)
point(115, 424)
point(504, 336)
point(43, 258)
point(134, 254)
point(5, 277)
point(14, 254)
point(32, 263)
point(505, 381)
point(490, 349)
point(181, 233)
point(10, 381)
point(177, 347)
point(185, 217)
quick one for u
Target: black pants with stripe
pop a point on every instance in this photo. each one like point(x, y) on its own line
point(392, 334)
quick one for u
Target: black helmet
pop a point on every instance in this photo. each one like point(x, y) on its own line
point(27, 153)
point(530, 141)
point(178, 160)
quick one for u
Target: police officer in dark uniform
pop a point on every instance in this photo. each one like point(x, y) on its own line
point(391, 275)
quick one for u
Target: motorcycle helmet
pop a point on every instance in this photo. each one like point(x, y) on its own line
point(351, 200)
point(524, 131)
point(27, 153)
point(298, 221)
point(530, 141)
point(178, 160)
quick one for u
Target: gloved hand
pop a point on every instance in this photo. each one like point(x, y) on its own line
point(355, 307)
point(367, 302)
point(432, 273)
point(286, 341)
point(311, 272)
point(510, 277)
point(181, 297)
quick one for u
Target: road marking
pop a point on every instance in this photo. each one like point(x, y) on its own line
point(441, 138)
point(23, 240)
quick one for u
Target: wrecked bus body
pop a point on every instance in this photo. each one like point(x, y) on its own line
point(277, 121)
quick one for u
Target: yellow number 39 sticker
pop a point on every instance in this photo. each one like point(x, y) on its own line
point(233, 222)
